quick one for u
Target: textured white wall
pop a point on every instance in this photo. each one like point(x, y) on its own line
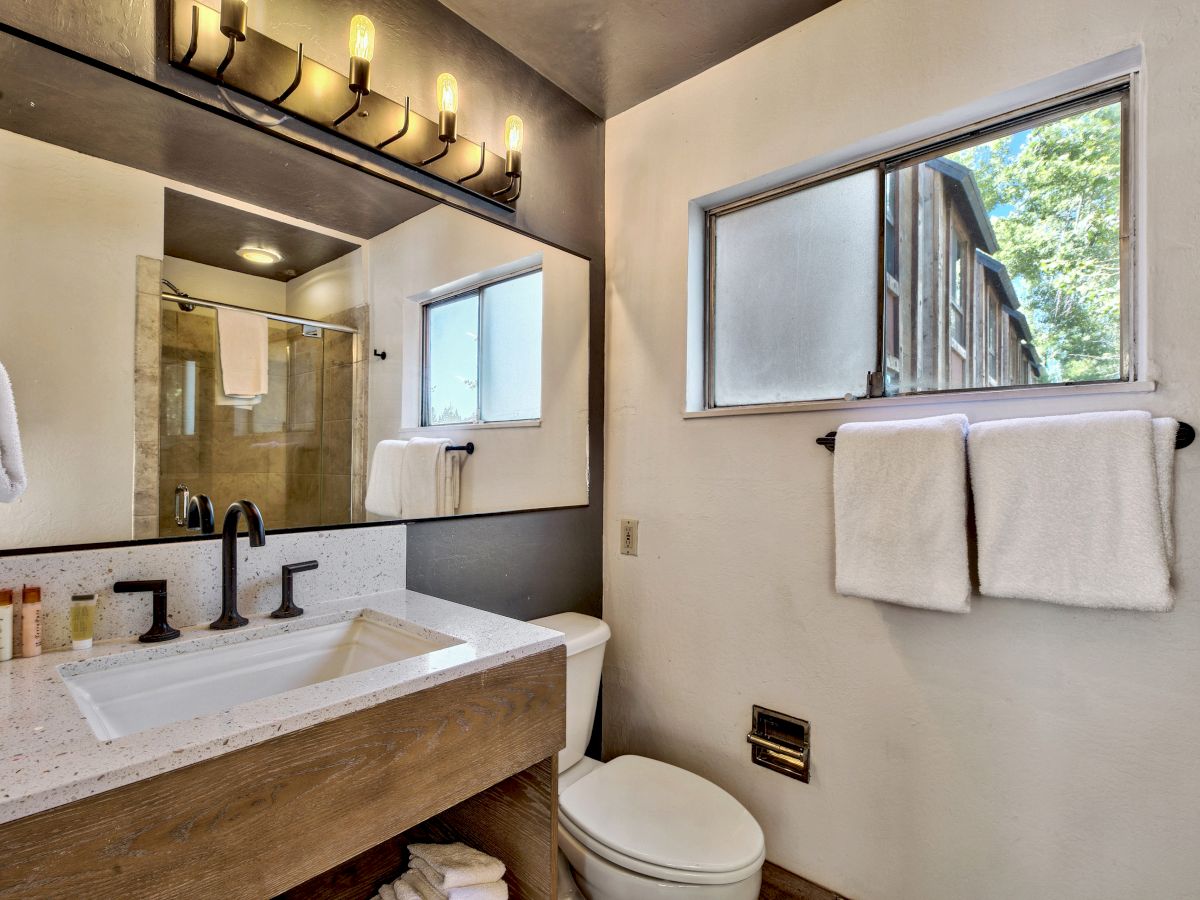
point(71, 229)
point(1024, 750)
point(514, 466)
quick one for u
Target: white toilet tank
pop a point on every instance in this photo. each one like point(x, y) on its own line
point(586, 637)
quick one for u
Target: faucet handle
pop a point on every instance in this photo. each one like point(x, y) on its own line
point(160, 628)
point(287, 608)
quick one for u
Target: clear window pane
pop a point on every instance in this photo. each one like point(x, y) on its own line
point(795, 295)
point(452, 361)
point(511, 382)
point(1032, 222)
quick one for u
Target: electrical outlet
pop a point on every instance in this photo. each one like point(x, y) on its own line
point(629, 537)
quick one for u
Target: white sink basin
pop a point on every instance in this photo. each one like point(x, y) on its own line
point(206, 678)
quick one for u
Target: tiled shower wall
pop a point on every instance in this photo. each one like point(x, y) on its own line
point(300, 453)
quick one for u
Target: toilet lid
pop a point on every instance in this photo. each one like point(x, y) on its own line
point(659, 814)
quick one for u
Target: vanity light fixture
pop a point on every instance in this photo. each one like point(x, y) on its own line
point(260, 256)
point(362, 49)
point(233, 26)
point(205, 37)
point(447, 101)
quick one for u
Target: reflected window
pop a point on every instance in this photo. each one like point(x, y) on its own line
point(483, 354)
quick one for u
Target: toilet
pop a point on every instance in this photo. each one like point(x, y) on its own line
point(636, 828)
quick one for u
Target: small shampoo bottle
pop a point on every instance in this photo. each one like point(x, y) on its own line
point(83, 620)
point(31, 621)
point(6, 625)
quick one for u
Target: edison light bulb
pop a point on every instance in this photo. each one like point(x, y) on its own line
point(514, 136)
point(447, 100)
point(362, 38)
point(514, 133)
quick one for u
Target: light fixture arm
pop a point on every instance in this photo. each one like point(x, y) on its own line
point(482, 163)
point(193, 44)
point(436, 156)
point(351, 111)
point(403, 128)
point(296, 79)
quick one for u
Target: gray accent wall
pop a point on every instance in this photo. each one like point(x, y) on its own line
point(520, 564)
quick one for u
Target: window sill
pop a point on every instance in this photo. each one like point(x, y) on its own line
point(942, 399)
point(472, 426)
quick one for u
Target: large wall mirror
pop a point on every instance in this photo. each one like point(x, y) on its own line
point(179, 319)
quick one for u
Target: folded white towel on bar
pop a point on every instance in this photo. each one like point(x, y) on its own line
point(13, 480)
point(383, 484)
point(1075, 509)
point(242, 346)
point(423, 478)
point(900, 512)
point(457, 864)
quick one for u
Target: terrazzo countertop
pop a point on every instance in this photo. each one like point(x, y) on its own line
point(51, 755)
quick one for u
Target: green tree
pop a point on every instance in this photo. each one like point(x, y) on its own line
point(1054, 196)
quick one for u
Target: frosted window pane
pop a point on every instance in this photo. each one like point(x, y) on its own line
point(511, 382)
point(453, 361)
point(796, 294)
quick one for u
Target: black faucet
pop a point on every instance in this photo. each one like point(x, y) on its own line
point(160, 628)
point(201, 516)
point(230, 618)
point(287, 606)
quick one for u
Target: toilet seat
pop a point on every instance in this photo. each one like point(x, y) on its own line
point(663, 822)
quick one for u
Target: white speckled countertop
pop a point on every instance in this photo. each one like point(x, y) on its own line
point(50, 755)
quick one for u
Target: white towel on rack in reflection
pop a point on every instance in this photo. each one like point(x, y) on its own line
point(12, 462)
point(1074, 509)
point(1165, 431)
point(384, 496)
point(242, 348)
point(900, 512)
point(452, 490)
point(423, 478)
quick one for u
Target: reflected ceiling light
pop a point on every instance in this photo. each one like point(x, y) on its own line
point(260, 256)
point(514, 137)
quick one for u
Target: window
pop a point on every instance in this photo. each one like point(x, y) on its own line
point(992, 257)
point(483, 354)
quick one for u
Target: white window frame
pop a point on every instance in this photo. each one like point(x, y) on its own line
point(1121, 75)
point(426, 306)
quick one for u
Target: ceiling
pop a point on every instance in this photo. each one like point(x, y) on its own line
point(211, 233)
point(611, 55)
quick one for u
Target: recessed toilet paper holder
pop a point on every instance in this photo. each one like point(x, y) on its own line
point(780, 742)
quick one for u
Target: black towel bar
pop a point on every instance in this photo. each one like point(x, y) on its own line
point(1183, 438)
point(469, 447)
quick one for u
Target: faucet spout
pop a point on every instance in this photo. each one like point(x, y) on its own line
point(230, 617)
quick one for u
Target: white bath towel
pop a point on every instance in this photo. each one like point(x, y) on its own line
point(492, 890)
point(1165, 431)
point(418, 880)
point(242, 345)
point(403, 891)
point(1068, 510)
point(423, 478)
point(452, 490)
point(383, 484)
point(12, 462)
point(900, 512)
point(388, 892)
point(457, 864)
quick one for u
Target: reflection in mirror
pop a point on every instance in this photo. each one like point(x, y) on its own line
point(165, 341)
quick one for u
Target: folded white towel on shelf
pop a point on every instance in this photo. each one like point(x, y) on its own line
point(383, 484)
point(492, 890)
point(388, 892)
point(1074, 509)
point(242, 347)
point(423, 478)
point(403, 891)
point(457, 864)
point(900, 512)
point(13, 481)
point(417, 882)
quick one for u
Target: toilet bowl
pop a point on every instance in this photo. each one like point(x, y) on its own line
point(636, 828)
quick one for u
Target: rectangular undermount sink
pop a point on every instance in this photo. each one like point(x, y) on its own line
point(208, 677)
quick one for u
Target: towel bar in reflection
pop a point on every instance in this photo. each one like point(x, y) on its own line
point(1183, 438)
point(467, 448)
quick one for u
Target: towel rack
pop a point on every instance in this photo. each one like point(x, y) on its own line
point(1183, 438)
point(468, 447)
